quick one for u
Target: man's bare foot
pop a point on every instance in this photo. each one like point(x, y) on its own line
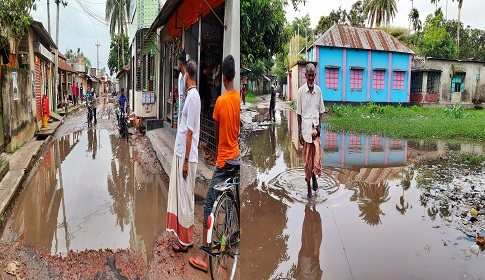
point(199, 264)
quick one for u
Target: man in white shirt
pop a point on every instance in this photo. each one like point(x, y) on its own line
point(180, 206)
point(181, 66)
point(310, 108)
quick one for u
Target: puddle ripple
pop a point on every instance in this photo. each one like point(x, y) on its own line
point(290, 187)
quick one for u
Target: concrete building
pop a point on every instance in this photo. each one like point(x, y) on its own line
point(441, 81)
point(208, 31)
point(24, 83)
point(357, 64)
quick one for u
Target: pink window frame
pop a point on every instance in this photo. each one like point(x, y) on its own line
point(356, 78)
point(398, 80)
point(331, 78)
point(378, 79)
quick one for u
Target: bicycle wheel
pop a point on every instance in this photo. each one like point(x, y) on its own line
point(225, 239)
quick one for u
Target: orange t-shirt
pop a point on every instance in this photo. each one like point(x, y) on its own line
point(227, 113)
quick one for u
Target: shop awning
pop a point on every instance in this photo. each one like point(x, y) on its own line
point(176, 14)
point(40, 30)
point(66, 67)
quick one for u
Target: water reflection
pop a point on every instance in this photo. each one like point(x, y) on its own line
point(369, 198)
point(311, 240)
point(88, 193)
point(370, 194)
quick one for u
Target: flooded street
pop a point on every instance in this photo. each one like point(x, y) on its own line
point(385, 209)
point(91, 194)
point(94, 207)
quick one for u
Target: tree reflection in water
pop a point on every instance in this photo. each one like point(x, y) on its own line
point(406, 176)
point(369, 197)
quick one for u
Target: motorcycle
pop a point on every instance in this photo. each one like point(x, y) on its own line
point(123, 123)
point(90, 111)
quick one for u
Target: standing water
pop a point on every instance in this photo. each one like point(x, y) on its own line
point(88, 192)
point(380, 212)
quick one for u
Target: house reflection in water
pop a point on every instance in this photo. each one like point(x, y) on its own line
point(352, 151)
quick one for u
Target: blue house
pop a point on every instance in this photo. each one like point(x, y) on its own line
point(357, 64)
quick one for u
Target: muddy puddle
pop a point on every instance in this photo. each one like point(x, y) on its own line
point(386, 208)
point(88, 192)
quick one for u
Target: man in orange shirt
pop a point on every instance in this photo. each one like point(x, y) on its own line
point(227, 117)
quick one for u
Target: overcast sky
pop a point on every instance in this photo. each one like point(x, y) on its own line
point(77, 28)
point(471, 12)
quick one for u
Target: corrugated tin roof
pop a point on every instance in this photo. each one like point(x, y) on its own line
point(345, 36)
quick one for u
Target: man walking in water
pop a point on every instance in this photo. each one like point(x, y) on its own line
point(309, 109)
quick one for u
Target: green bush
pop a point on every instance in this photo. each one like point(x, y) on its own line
point(250, 97)
point(457, 111)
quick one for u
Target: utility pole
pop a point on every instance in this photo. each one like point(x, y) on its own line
point(97, 57)
point(97, 62)
point(56, 83)
point(49, 17)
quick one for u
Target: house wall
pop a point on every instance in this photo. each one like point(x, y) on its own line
point(18, 115)
point(330, 57)
point(474, 81)
point(295, 76)
point(344, 59)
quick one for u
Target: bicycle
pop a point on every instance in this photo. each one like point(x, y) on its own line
point(223, 235)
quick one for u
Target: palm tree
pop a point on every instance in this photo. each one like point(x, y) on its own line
point(380, 11)
point(435, 2)
point(460, 4)
point(414, 18)
point(117, 13)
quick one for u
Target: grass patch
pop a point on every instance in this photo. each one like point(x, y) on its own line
point(472, 159)
point(250, 97)
point(409, 123)
point(16, 148)
point(1, 162)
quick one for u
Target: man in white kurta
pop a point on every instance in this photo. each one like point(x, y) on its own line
point(309, 109)
point(180, 209)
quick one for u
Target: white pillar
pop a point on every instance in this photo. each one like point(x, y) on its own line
point(232, 33)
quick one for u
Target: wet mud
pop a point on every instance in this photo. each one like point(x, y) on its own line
point(386, 208)
point(93, 207)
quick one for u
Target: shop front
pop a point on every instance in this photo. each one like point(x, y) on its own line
point(42, 68)
point(207, 30)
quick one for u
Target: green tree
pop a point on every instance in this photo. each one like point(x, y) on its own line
point(335, 17)
point(117, 13)
point(356, 15)
point(114, 60)
point(261, 39)
point(295, 3)
point(380, 11)
point(79, 54)
point(415, 21)
point(324, 24)
point(436, 40)
point(15, 20)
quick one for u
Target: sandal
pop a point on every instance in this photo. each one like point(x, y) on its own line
point(179, 248)
point(195, 264)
